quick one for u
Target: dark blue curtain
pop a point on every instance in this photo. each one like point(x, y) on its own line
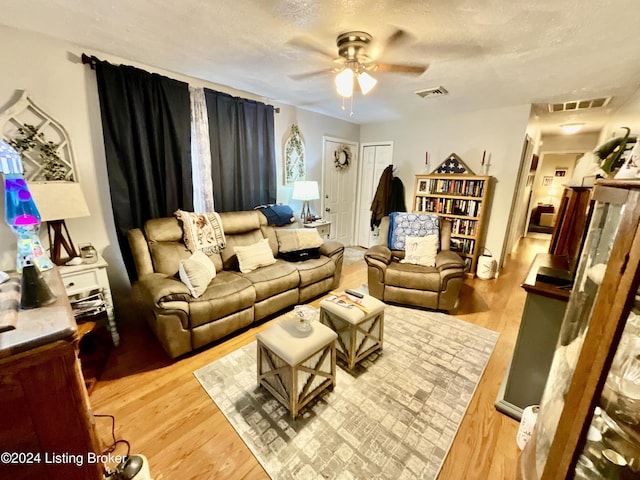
point(243, 164)
point(146, 122)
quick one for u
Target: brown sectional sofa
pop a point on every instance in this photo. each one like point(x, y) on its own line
point(232, 300)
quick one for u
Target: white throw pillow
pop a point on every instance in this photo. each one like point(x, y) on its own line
point(253, 256)
point(421, 250)
point(294, 239)
point(196, 272)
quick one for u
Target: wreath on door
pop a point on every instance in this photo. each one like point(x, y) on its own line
point(342, 157)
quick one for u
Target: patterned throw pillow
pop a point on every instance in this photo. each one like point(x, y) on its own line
point(196, 272)
point(253, 256)
point(421, 250)
point(402, 224)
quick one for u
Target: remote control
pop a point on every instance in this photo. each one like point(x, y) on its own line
point(354, 293)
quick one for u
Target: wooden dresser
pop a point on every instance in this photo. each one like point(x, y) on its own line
point(47, 426)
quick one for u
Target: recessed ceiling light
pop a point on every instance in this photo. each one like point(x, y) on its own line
point(570, 128)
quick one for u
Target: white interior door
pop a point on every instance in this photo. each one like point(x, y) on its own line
point(339, 189)
point(375, 157)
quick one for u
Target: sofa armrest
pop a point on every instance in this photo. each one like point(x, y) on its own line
point(157, 288)
point(331, 248)
point(140, 251)
point(448, 260)
point(378, 253)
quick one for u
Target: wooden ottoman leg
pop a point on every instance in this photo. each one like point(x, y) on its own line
point(296, 385)
point(275, 375)
point(315, 366)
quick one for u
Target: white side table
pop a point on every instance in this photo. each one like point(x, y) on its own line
point(91, 276)
point(323, 227)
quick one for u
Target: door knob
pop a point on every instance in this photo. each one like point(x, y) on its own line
point(327, 209)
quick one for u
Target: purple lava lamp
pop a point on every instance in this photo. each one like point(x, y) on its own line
point(21, 213)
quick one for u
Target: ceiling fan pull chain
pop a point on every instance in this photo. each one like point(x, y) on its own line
point(351, 107)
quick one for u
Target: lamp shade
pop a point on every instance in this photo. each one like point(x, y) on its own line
point(305, 190)
point(59, 200)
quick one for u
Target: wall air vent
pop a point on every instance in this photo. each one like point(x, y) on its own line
point(431, 92)
point(579, 105)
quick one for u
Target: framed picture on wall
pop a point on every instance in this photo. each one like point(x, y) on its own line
point(547, 181)
point(560, 172)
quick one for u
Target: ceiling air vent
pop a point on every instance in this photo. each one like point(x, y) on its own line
point(431, 92)
point(579, 105)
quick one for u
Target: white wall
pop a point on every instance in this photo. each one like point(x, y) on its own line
point(501, 132)
point(54, 77)
point(312, 129)
point(579, 142)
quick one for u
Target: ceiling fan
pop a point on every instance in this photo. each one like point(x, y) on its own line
point(355, 65)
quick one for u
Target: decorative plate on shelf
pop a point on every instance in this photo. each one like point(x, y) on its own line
point(342, 157)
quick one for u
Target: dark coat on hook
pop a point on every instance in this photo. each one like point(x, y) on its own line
point(389, 197)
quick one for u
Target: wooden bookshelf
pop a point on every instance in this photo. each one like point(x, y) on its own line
point(461, 198)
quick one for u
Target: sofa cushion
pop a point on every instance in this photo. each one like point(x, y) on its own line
point(407, 275)
point(254, 256)
point(273, 279)
point(166, 247)
point(312, 271)
point(228, 293)
point(421, 250)
point(196, 272)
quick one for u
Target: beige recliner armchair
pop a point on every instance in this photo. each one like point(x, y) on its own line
point(435, 287)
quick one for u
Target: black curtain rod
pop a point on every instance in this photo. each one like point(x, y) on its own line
point(91, 61)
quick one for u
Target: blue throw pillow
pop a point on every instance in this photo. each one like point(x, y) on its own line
point(402, 224)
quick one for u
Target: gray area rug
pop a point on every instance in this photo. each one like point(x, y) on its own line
point(395, 416)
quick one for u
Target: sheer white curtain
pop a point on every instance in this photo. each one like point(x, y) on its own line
point(200, 153)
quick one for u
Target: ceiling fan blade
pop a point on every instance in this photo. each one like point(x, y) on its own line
point(306, 43)
point(396, 38)
point(395, 68)
point(302, 76)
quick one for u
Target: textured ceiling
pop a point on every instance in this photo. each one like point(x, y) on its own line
point(486, 53)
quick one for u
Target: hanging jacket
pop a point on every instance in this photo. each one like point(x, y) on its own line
point(396, 199)
point(380, 204)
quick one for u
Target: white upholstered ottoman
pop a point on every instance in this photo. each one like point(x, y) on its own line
point(296, 366)
point(360, 331)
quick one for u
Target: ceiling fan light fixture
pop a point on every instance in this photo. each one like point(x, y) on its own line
point(344, 82)
point(366, 82)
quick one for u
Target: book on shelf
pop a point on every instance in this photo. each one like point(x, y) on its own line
point(469, 188)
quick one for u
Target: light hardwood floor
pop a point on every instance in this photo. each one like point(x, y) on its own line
point(164, 413)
